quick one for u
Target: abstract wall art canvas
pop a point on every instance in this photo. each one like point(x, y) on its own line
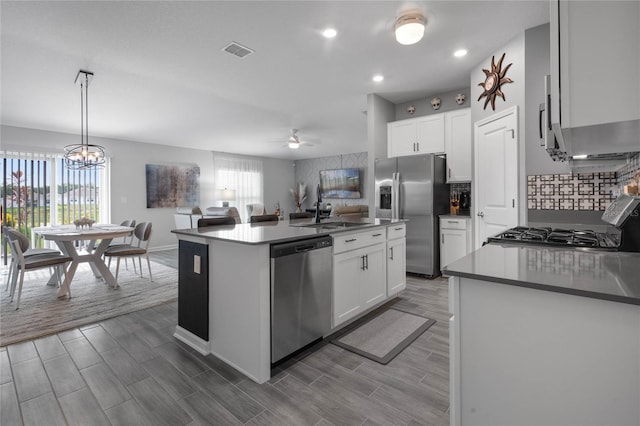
point(172, 185)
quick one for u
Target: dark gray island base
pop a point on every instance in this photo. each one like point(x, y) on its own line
point(543, 335)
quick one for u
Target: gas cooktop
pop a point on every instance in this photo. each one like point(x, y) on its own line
point(557, 237)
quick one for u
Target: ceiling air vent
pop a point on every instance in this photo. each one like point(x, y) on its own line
point(238, 50)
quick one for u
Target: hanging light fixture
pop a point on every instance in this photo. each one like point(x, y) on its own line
point(84, 155)
point(410, 27)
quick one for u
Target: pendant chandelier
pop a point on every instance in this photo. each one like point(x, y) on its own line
point(84, 155)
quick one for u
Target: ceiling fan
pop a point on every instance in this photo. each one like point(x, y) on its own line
point(294, 142)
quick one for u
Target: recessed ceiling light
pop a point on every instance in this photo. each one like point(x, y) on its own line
point(330, 33)
point(580, 157)
point(378, 78)
point(460, 53)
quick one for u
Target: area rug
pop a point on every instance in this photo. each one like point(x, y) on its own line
point(42, 313)
point(384, 336)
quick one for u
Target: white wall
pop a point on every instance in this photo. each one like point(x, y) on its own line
point(379, 112)
point(515, 95)
point(128, 185)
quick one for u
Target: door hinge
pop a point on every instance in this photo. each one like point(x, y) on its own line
point(513, 203)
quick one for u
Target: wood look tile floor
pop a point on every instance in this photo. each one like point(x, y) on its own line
point(129, 370)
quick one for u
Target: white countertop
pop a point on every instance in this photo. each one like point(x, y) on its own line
point(603, 275)
point(281, 231)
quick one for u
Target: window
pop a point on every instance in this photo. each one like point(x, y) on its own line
point(242, 175)
point(38, 190)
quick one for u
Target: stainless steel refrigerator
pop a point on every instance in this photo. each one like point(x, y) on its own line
point(414, 188)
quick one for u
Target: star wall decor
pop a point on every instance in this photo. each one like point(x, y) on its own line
point(493, 82)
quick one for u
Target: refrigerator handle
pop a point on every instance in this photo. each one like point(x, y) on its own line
point(395, 197)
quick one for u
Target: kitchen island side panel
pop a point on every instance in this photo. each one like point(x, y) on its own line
point(239, 321)
point(193, 288)
point(538, 357)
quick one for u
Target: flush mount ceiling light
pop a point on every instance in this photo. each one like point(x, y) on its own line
point(84, 155)
point(460, 53)
point(410, 27)
point(378, 78)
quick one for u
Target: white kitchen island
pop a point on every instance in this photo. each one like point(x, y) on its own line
point(544, 336)
point(239, 287)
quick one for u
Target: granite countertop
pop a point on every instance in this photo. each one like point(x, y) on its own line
point(281, 231)
point(613, 276)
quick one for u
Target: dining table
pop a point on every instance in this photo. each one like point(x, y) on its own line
point(66, 237)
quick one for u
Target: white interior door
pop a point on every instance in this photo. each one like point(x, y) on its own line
point(496, 174)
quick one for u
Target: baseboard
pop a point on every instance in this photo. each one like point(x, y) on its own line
point(188, 338)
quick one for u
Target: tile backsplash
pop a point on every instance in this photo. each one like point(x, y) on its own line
point(585, 191)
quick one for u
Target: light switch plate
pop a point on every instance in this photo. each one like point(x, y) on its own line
point(196, 264)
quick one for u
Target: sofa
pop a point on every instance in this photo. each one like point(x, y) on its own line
point(223, 211)
point(357, 211)
point(187, 217)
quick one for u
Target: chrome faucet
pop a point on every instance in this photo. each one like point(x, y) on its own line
point(317, 219)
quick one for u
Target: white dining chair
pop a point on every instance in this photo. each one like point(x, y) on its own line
point(24, 264)
point(137, 248)
point(27, 253)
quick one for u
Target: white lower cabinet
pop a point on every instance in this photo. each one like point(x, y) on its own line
point(455, 239)
point(373, 279)
point(359, 281)
point(396, 266)
point(360, 262)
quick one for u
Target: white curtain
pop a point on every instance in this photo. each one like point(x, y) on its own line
point(242, 175)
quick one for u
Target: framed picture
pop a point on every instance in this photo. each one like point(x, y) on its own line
point(172, 185)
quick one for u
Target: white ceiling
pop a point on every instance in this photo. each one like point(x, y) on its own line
point(161, 75)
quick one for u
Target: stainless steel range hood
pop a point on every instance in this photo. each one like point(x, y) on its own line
point(598, 148)
point(600, 163)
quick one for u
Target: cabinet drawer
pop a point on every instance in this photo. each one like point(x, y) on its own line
point(450, 223)
point(396, 231)
point(345, 242)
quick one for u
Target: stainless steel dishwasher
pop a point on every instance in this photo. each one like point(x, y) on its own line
point(301, 276)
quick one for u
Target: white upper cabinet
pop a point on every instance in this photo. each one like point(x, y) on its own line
point(401, 136)
point(414, 136)
point(430, 135)
point(458, 145)
point(595, 62)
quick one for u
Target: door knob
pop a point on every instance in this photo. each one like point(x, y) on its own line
point(480, 214)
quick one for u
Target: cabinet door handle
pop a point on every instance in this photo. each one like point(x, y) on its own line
point(350, 241)
point(391, 253)
point(398, 229)
point(549, 112)
point(418, 144)
point(540, 114)
point(442, 238)
point(366, 258)
point(449, 172)
point(376, 235)
point(452, 221)
point(414, 147)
